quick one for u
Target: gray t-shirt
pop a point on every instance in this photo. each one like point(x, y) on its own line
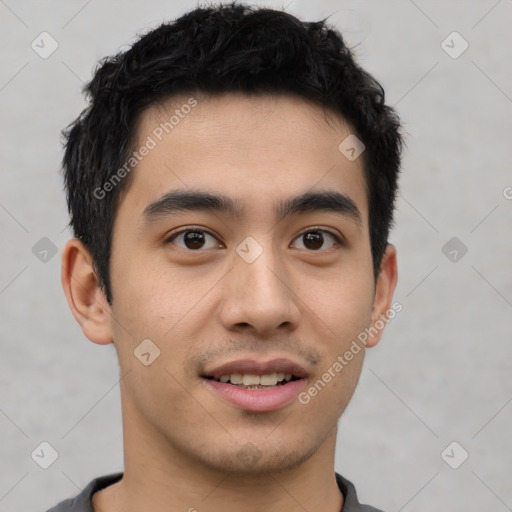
point(82, 502)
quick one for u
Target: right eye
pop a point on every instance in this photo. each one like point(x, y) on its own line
point(193, 239)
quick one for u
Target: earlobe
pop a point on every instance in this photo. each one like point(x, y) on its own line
point(83, 293)
point(385, 287)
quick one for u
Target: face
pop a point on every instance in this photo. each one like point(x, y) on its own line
point(258, 281)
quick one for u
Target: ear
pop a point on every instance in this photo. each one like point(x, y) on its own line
point(85, 298)
point(384, 289)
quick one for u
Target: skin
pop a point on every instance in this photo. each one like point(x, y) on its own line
point(185, 447)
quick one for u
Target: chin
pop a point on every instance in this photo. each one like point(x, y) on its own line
point(251, 460)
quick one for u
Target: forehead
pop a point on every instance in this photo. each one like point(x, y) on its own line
point(252, 148)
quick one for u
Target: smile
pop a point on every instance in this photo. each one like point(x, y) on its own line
point(257, 387)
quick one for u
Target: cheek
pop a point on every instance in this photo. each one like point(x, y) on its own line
point(160, 303)
point(158, 292)
point(339, 304)
point(150, 304)
point(328, 393)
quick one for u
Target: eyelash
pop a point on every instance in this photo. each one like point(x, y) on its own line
point(337, 238)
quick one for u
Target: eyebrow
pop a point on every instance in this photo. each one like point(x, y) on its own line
point(198, 200)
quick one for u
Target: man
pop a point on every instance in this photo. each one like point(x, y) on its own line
point(231, 189)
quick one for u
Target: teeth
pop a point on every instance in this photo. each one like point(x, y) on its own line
point(236, 378)
point(269, 380)
point(251, 380)
point(248, 379)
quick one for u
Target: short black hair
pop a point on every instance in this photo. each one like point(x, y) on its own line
point(216, 49)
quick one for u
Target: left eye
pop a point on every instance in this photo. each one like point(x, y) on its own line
point(314, 239)
point(194, 239)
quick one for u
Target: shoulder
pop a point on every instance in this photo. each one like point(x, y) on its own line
point(351, 502)
point(82, 501)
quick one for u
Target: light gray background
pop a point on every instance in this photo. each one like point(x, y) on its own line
point(442, 370)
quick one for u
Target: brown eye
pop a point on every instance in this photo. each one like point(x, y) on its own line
point(193, 239)
point(313, 240)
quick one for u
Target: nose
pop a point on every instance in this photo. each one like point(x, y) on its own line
point(259, 297)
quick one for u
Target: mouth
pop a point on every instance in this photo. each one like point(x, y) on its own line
point(253, 381)
point(257, 386)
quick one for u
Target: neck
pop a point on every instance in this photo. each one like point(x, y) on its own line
point(160, 478)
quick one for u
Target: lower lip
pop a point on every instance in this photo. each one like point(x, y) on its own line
point(257, 400)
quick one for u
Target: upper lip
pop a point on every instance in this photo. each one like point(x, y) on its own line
point(250, 366)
